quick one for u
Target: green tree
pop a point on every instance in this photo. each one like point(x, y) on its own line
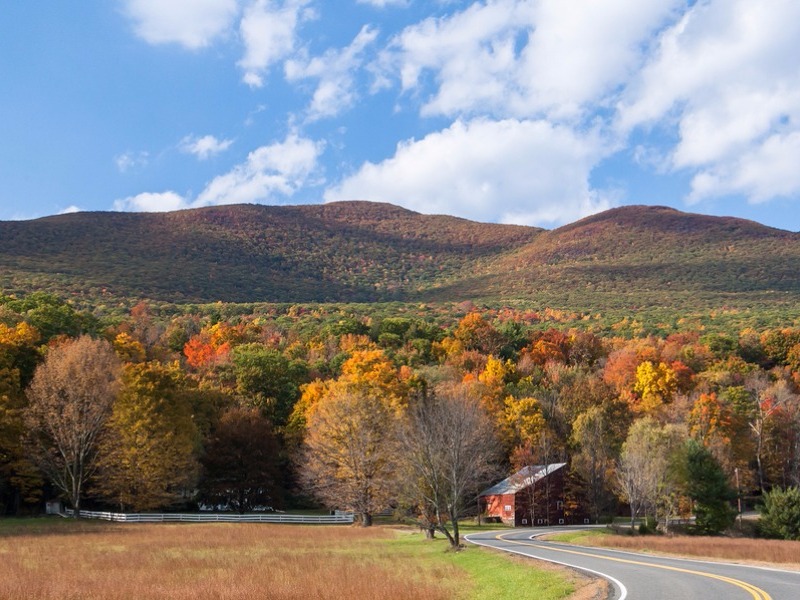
point(268, 380)
point(708, 487)
point(148, 455)
point(780, 514)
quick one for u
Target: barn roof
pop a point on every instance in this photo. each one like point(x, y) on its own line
point(522, 479)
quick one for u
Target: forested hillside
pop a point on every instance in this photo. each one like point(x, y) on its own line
point(349, 251)
point(268, 405)
point(626, 258)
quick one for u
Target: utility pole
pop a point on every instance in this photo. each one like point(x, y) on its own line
point(738, 496)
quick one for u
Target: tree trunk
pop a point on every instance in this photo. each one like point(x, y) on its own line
point(366, 519)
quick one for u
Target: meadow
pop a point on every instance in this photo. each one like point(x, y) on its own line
point(757, 551)
point(56, 559)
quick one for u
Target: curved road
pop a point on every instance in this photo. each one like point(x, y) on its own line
point(637, 576)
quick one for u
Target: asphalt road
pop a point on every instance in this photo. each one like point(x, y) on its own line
point(637, 576)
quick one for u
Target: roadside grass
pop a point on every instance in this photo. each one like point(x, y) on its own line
point(776, 552)
point(490, 574)
point(54, 558)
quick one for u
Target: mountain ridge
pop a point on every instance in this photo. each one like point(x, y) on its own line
point(361, 251)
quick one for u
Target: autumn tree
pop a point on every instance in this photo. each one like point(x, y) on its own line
point(241, 462)
point(645, 476)
point(148, 454)
point(448, 451)
point(70, 400)
point(350, 454)
point(597, 444)
point(655, 384)
point(20, 480)
point(474, 332)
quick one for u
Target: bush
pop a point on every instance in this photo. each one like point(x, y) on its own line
point(780, 514)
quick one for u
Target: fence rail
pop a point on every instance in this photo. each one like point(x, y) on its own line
point(337, 519)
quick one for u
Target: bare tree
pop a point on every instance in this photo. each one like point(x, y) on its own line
point(448, 451)
point(71, 397)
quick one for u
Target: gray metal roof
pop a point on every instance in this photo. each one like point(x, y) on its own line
point(522, 479)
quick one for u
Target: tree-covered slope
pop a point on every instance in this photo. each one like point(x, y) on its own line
point(650, 255)
point(364, 252)
point(347, 251)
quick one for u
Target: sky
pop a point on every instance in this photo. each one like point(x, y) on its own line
point(535, 112)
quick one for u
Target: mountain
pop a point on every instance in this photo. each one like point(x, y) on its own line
point(347, 251)
point(638, 256)
point(364, 252)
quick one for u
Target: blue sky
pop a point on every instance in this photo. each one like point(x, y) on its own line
point(535, 112)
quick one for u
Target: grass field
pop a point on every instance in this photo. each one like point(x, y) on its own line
point(57, 559)
point(776, 552)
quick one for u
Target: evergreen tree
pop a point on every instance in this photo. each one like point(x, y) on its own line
point(708, 487)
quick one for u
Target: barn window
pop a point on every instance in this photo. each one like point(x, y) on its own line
point(524, 521)
point(508, 508)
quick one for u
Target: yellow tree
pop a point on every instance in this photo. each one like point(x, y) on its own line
point(655, 384)
point(148, 456)
point(492, 389)
point(350, 452)
point(20, 481)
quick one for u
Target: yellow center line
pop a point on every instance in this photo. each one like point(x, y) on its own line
point(757, 593)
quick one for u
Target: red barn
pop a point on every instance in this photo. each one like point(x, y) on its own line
point(531, 496)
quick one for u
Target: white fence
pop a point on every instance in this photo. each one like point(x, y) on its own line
point(337, 519)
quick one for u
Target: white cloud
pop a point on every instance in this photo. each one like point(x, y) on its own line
point(276, 170)
point(525, 58)
point(193, 24)
point(725, 79)
point(384, 3)
point(269, 32)
point(151, 202)
point(70, 210)
point(529, 172)
point(130, 160)
point(204, 147)
point(335, 72)
point(269, 173)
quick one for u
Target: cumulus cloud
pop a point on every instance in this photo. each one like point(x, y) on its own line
point(530, 172)
point(726, 76)
point(335, 70)
point(193, 24)
point(151, 202)
point(269, 172)
point(269, 31)
point(204, 147)
point(130, 160)
point(523, 58)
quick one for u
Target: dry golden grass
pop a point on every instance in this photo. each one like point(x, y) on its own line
point(776, 552)
point(87, 561)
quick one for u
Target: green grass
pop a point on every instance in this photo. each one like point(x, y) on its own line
point(488, 574)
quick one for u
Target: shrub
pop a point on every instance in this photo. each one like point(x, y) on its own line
point(780, 514)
